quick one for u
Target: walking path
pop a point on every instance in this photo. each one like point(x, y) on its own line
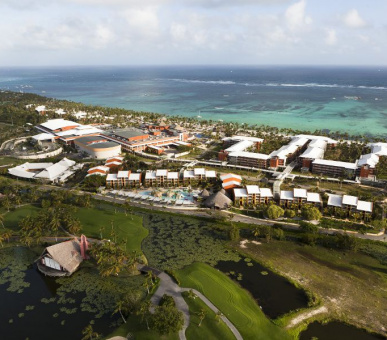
point(233, 329)
point(169, 287)
point(306, 315)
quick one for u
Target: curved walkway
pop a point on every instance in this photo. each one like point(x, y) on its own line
point(169, 287)
point(233, 329)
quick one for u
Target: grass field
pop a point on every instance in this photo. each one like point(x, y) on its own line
point(139, 331)
point(351, 285)
point(12, 218)
point(128, 227)
point(210, 328)
point(234, 302)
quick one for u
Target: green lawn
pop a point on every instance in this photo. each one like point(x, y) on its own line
point(12, 218)
point(139, 331)
point(234, 302)
point(128, 227)
point(210, 328)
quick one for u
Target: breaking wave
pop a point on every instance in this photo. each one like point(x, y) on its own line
point(309, 85)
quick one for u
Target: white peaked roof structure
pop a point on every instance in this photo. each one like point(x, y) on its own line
point(240, 193)
point(313, 153)
point(266, 192)
point(313, 197)
point(351, 201)
point(123, 174)
point(56, 124)
point(135, 177)
point(111, 177)
point(46, 171)
point(370, 159)
point(286, 195)
point(173, 175)
point(43, 136)
point(161, 172)
point(334, 200)
point(299, 193)
point(253, 189)
point(210, 174)
point(150, 175)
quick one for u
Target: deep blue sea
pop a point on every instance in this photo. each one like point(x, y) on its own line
point(349, 99)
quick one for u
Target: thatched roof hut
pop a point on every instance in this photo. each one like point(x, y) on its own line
point(61, 259)
point(217, 201)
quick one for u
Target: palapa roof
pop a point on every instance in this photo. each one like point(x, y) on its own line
point(205, 193)
point(67, 254)
point(218, 200)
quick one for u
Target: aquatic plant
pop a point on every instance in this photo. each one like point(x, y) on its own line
point(175, 242)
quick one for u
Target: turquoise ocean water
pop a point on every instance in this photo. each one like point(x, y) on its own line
point(351, 99)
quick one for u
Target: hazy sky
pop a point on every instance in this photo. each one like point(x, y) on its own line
point(125, 32)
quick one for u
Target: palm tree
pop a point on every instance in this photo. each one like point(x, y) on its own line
point(256, 232)
point(144, 312)
point(7, 235)
point(89, 334)
point(120, 305)
point(149, 276)
point(191, 294)
point(218, 315)
point(201, 315)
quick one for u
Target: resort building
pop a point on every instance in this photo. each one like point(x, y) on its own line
point(64, 258)
point(98, 147)
point(334, 168)
point(367, 165)
point(150, 178)
point(250, 159)
point(161, 177)
point(123, 178)
point(112, 181)
point(252, 195)
point(230, 181)
point(172, 179)
point(98, 170)
point(315, 150)
point(350, 203)
point(188, 177)
point(49, 172)
point(135, 180)
point(115, 161)
point(238, 144)
point(67, 131)
point(299, 197)
point(198, 175)
point(138, 140)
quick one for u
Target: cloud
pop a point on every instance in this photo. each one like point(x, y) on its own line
point(295, 15)
point(353, 19)
point(331, 37)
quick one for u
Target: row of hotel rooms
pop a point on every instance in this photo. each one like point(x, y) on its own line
point(253, 195)
point(307, 150)
point(248, 195)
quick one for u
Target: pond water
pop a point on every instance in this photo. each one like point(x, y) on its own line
point(274, 294)
point(336, 331)
point(30, 311)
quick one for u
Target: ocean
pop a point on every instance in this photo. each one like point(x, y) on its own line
point(346, 99)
